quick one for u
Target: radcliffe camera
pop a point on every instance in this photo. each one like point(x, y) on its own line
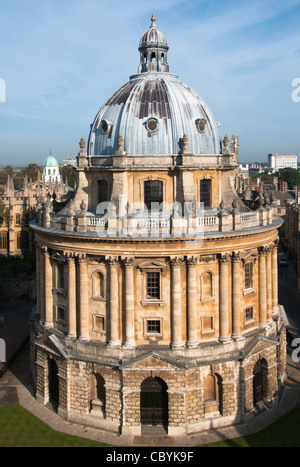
point(149, 227)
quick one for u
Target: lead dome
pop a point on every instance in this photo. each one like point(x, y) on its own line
point(154, 110)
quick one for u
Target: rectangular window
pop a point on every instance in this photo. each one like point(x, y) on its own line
point(3, 241)
point(153, 326)
point(99, 323)
point(153, 193)
point(248, 275)
point(249, 315)
point(60, 276)
point(205, 192)
point(61, 315)
point(153, 286)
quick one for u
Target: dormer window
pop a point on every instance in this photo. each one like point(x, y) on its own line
point(105, 125)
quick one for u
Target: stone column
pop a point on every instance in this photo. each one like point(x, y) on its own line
point(224, 331)
point(129, 304)
point(176, 312)
point(114, 302)
point(269, 284)
point(83, 299)
point(38, 280)
point(236, 296)
point(72, 322)
point(275, 278)
point(192, 337)
point(48, 289)
point(262, 287)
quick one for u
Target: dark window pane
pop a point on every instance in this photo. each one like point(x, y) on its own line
point(205, 192)
point(153, 192)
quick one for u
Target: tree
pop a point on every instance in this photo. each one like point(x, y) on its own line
point(68, 172)
point(291, 176)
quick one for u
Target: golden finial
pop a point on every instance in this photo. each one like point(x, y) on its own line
point(153, 19)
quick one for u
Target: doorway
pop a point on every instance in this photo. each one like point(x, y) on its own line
point(154, 403)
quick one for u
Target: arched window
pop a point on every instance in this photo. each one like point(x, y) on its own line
point(103, 191)
point(98, 396)
point(98, 285)
point(3, 240)
point(207, 290)
point(213, 394)
point(153, 57)
point(205, 192)
point(153, 194)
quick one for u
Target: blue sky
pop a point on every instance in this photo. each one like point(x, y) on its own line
point(61, 60)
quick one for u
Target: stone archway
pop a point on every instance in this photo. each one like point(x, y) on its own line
point(53, 383)
point(154, 403)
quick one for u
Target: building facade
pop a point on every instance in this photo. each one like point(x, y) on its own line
point(278, 161)
point(157, 287)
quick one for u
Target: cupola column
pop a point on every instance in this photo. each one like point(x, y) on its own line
point(176, 313)
point(83, 298)
point(192, 302)
point(72, 325)
point(224, 332)
point(114, 318)
point(129, 304)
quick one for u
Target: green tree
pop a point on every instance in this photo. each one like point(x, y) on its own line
point(291, 176)
point(68, 172)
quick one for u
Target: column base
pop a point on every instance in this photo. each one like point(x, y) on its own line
point(177, 346)
point(114, 344)
point(129, 346)
point(84, 339)
point(225, 340)
point(238, 337)
point(192, 345)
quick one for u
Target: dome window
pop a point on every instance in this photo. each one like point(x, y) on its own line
point(152, 124)
point(105, 125)
point(201, 124)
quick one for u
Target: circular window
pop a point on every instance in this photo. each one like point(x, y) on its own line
point(104, 126)
point(152, 124)
point(201, 123)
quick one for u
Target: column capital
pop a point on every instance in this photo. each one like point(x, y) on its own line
point(236, 256)
point(128, 261)
point(192, 260)
point(112, 260)
point(176, 261)
point(225, 257)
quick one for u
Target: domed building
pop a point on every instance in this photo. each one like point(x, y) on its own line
point(51, 170)
point(157, 286)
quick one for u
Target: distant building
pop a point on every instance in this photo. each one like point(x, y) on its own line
point(283, 186)
point(51, 170)
point(277, 162)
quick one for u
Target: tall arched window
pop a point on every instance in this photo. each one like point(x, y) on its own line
point(213, 394)
point(260, 379)
point(98, 285)
point(207, 290)
point(205, 192)
point(98, 396)
point(153, 193)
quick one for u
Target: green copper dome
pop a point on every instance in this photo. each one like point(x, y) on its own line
point(50, 161)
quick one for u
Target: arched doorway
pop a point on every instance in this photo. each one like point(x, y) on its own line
point(259, 381)
point(53, 384)
point(154, 402)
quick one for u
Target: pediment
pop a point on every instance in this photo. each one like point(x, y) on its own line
point(153, 361)
point(54, 346)
point(258, 345)
point(152, 264)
